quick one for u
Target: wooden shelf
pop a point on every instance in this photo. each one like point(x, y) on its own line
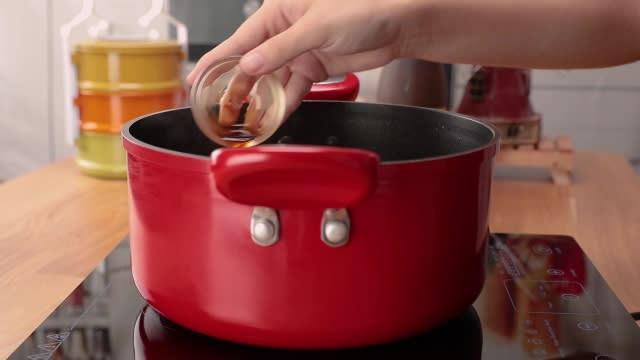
point(554, 154)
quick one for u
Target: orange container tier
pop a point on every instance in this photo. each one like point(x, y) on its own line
point(109, 65)
point(104, 111)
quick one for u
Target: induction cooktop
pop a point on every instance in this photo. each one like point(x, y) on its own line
point(542, 299)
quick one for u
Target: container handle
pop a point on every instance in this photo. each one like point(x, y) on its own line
point(295, 176)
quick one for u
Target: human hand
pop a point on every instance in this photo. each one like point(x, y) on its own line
point(307, 41)
point(229, 112)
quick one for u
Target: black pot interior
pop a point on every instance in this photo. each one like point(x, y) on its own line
point(394, 132)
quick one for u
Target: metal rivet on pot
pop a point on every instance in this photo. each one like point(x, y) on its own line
point(335, 227)
point(264, 226)
point(263, 230)
point(335, 231)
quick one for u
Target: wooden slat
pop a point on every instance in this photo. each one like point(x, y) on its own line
point(533, 158)
point(555, 155)
point(546, 144)
point(563, 143)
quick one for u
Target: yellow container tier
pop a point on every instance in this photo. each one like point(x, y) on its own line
point(109, 65)
point(101, 155)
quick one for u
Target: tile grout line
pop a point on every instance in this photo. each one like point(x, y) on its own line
point(578, 88)
point(50, 77)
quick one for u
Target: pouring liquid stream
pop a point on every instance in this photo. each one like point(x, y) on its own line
point(238, 134)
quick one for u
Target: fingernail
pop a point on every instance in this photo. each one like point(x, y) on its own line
point(251, 63)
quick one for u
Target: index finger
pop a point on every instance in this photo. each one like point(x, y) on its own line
point(234, 98)
point(249, 35)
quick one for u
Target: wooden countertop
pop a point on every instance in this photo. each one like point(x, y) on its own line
point(56, 225)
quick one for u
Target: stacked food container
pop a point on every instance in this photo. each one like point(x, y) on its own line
point(117, 82)
point(116, 77)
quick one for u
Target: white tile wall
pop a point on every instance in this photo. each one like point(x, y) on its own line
point(24, 120)
point(617, 77)
point(598, 108)
point(31, 93)
point(31, 79)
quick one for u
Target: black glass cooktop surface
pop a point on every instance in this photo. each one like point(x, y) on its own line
point(542, 299)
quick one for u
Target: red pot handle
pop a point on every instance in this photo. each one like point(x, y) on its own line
point(343, 89)
point(295, 176)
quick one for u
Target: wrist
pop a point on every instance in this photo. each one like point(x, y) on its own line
point(416, 32)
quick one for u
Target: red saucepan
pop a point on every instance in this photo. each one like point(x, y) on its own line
point(354, 224)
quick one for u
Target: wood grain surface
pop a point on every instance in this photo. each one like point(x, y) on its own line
point(56, 225)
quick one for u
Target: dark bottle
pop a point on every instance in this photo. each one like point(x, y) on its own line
point(414, 82)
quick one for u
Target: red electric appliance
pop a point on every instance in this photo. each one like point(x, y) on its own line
point(501, 97)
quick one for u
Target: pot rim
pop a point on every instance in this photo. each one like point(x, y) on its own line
point(128, 137)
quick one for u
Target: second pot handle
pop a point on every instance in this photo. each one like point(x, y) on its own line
point(295, 176)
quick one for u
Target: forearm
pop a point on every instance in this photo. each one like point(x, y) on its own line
point(524, 33)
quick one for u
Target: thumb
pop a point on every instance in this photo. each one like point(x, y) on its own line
point(275, 52)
